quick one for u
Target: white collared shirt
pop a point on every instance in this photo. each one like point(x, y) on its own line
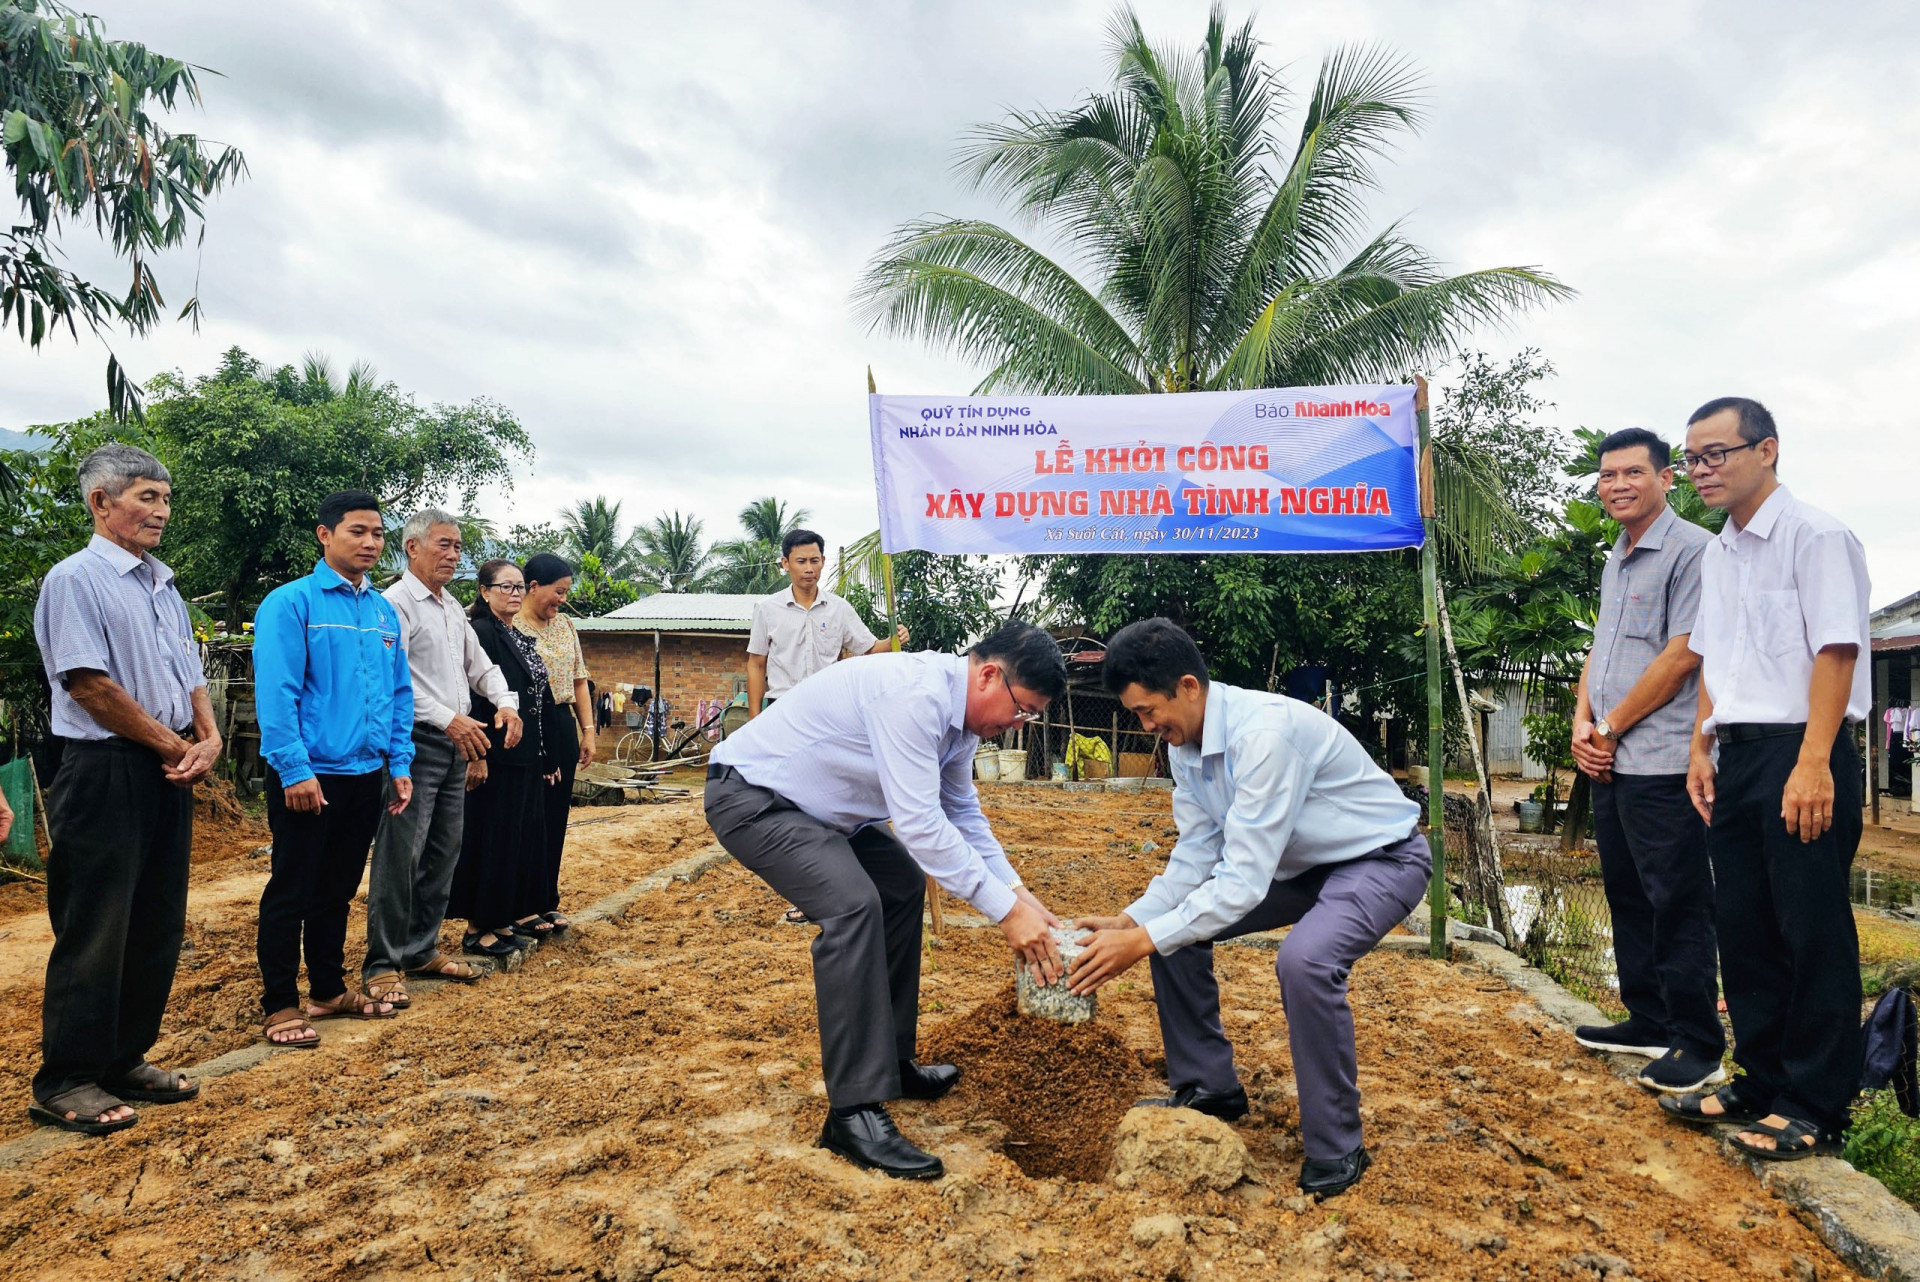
point(800, 640)
point(1772, 596)
point(1275, 787)
point(885, 738)
point(443, 654)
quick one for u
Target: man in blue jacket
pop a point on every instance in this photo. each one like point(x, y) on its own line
point(335, 703)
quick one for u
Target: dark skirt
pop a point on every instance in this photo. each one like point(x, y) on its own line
point(563, 746)
point(503, 848)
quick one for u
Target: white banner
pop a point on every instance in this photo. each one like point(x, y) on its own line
point(1308, 469)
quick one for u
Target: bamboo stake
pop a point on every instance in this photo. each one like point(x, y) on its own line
point(1436, 726)
point(935, 909)
point(1492, 877)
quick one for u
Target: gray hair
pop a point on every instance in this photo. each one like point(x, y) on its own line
point(425, 519)
point(113, 467)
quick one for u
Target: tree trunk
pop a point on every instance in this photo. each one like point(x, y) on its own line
point(1489, 878)
point(1579, 804)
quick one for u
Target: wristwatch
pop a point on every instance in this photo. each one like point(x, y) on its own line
point(1603, 728)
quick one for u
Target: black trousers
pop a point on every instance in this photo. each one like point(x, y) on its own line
point(1653, 858)
point(563, 732)
point(117, 896)
point(1789, 958)
point(505, 836)
point(317, 863)
point(866, 894)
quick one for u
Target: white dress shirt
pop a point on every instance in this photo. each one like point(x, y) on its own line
point(1275, 787)
point(800, 640)
point(443, 654)
point(1772, 596)
point(884, 738)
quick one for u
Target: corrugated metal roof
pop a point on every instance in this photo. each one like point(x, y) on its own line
point(679, 612)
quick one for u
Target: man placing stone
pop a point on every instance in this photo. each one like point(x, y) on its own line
point(801, 797)
point(1632, 730)
point(416, 851)
point(1284, 821)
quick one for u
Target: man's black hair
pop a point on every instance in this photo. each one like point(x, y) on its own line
point(1756, 422)
point(1152, 654)
point(798, 538)
point(1031, 657)
point(335, 506)
point(1627, 437)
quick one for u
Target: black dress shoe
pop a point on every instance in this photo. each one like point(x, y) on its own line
point(1228, 1106)
point(867, 1137)
point(1324, 1177)
point(926, 1081)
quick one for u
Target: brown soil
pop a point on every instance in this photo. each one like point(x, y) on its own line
point(1058, 1089)
point(641, 1100)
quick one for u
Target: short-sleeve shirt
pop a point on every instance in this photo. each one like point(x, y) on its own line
point(103, 609)
point(799, 641)
point(1649, 594)
point(559, 646)
point(1772, 596)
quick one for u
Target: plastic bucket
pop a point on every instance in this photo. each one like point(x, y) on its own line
point(986, 766)
point(1013, 765)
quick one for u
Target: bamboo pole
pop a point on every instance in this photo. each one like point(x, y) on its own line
point(935, 909)
point(1436, 724)
point(1491, 876)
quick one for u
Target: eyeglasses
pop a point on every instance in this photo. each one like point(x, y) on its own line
point(511, 589)
point(1716, 455)
point(1019, 713)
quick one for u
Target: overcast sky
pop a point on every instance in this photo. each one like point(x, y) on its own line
point(637, 225)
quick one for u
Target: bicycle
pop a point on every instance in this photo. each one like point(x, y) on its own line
point(636, 747)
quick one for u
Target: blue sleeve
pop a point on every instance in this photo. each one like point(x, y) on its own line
point(400, 729)
point(279, 674)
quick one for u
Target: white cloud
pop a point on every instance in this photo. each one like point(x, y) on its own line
point(637, 225)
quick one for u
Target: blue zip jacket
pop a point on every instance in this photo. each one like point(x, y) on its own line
point(330, 680)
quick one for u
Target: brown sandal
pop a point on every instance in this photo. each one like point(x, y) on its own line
point(89, 1105)
point(349, 1005)
point(290, 1018)
point(441, 966)
point(391, 989)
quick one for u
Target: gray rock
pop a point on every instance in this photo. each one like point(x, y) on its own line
point(1053, 1001)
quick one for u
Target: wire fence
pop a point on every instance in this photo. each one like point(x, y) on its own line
point(1558, 916)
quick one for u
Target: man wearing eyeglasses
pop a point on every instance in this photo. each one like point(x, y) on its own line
point(802, 795)
point(1782, 629)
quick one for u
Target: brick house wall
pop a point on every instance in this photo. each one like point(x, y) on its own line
point(693, 666)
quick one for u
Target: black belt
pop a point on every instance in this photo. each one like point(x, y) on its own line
point(715, 770)
point(1749, 731)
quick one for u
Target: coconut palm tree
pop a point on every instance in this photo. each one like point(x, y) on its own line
point(593, 525)
point(1210, 258)
point(752, 563)
point(673, 559)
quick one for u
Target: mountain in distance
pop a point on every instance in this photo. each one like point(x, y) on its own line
point(11, 440)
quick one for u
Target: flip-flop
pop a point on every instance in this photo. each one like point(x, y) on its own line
point(88, 1103)
point(796, 917)
point(149, 1085)
point(1786, 1139)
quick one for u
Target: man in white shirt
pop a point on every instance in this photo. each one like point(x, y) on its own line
point(1781, 635)
point(415, 852)
point(803, 627)
point(1284, 821)
point(802, 796)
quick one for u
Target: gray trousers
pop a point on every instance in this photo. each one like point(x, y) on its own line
point(866, 894)
point(1338, 912)
point(414, 855)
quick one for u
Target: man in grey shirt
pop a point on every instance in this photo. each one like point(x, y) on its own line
point(127, 692)
point(1633, 727)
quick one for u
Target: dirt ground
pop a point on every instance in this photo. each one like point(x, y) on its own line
point(640, 1102)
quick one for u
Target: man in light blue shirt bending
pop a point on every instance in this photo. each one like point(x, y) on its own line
point(801, 797)
point(1284, 821)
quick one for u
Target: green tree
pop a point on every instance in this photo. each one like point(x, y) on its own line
point(254, 450)
point(82, 143)
point(1215, 263)
point(675, 557)
point(595, 592)
point(751, 563)
point(592, 527)
point(947, 602)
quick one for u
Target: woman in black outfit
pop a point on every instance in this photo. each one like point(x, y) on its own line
point(502, 852)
